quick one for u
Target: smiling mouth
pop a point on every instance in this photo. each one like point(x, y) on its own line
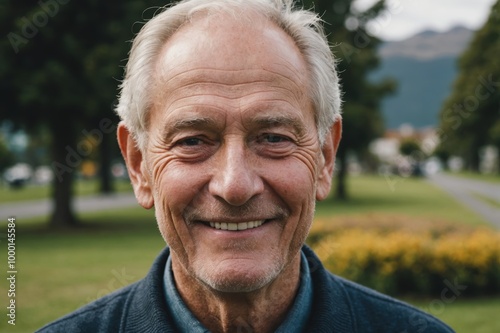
point(236, 226)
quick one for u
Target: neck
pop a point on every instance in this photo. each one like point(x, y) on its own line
point(262, 310)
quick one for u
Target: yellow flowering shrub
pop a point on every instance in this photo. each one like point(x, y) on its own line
point(404, 258)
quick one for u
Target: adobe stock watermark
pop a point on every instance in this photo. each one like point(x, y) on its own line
point(437, 306)
point(31, 25)
point(119, 280)
point(486, 88)
point(83, 149)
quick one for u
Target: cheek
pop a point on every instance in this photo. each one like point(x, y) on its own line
point(293, 181)
point(175, 188)
point(294, 184)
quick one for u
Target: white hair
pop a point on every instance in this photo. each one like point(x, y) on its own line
point(303, 26)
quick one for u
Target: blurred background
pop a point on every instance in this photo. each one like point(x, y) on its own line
point(415, 207)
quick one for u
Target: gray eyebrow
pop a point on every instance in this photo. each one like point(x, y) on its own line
point(193, 122)
point(189, 123)
point(278, 121)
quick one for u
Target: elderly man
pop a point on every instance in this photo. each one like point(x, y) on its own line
point(230, 124)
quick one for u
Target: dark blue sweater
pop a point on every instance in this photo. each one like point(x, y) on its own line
point(338, 306)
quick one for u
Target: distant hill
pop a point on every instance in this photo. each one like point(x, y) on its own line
point(425, 67)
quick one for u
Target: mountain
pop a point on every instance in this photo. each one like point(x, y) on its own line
point(425, 67)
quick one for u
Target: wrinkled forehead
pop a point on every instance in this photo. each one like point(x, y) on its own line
point(226, 43)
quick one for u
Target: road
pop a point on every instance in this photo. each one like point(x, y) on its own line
point(93, 203)
point(467, 191)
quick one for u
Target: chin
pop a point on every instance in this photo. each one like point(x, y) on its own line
point(238, 277)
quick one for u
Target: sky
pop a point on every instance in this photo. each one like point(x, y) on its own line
point(405, 18)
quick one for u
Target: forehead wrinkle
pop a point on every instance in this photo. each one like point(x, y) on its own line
point(165, 108)
point(215, 76)
point(203, 94)
point(291, 70)
point(276, 103)
point(200, 73)
point(244, 103)
point(224, 90)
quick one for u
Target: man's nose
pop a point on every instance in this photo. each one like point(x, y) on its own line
point(235, 179)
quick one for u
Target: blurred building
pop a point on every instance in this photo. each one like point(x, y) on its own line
point(387, 150)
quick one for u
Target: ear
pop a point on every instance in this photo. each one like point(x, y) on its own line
point(136, 167)
point(327, 163)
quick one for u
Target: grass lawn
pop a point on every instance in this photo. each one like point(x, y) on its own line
point(490, 201)
point(58, 271)
point(35, 192)
point(401, 196)
point(465, 315)
point(489, 178)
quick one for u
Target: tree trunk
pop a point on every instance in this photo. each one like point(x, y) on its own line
point(65, 163)
point(498, 159)
point(474, 160)
point(106, 182)
point(340, 189)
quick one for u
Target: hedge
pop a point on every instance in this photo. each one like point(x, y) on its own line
point(399, 259)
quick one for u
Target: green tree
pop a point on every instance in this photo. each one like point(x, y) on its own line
point(59, 64)
point(495, 140)
point(356, 51)
point(6, 157)
point(408, 147)
point(471, 111)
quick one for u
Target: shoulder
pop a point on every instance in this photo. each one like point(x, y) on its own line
point(344, 306)
point(102, 315)
point(373, 309)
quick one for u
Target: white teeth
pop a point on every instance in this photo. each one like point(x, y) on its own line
point(236, 226)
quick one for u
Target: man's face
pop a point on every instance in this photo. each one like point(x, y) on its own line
point(233, 160)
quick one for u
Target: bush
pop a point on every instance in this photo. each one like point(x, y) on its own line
point(406, 259)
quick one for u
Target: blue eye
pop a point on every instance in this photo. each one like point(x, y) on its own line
point(271, 138)
point(191, 142)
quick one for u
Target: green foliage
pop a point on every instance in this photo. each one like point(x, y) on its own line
point(356, 52)
point(494, 133)
point(471, 111)
point(71, 59)
point(6, 156)
point(60, 65)
point(442, 154)
point(409, 147)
